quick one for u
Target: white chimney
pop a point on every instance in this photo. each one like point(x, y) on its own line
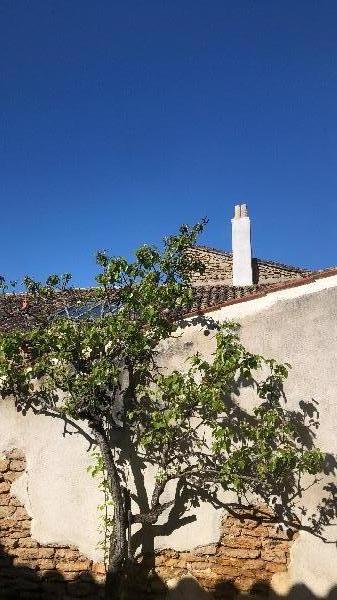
point(241, 245)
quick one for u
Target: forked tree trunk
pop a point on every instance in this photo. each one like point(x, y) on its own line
point(118, 545)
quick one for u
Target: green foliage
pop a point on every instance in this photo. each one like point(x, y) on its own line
point(210, 438)
point(186, 423)
point(84, 359)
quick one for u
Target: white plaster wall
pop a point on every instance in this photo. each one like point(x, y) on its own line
point(298, 325)
point(57, 491)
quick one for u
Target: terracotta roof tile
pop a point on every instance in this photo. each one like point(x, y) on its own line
point(19, 311)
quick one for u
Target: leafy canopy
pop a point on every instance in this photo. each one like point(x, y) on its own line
point(97, 360)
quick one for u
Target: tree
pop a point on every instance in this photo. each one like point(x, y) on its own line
point(97, 360)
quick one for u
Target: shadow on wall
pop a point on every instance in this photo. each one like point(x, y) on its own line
point(20, 582)
point(189, 589)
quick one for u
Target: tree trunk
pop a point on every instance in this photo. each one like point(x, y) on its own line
point(118, 545)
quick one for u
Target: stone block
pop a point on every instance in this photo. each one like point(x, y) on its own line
point(4, 487)
point(279, 534)
point(197, 565)
point(27, 553)
point(22, 562)
point(21, 514)
point(28, 543)
point(66, 554)
point(79, 589)
point(83, 565)
point(16, 454)
point(45, 564)
point(239, 552)
point(273, 567)
point(10, 476)
point(209, 549)
point(244, 584)
point(259, 531)
point(6, 512)
point(17, 465)
point(98, 568)
point(45, 552)
point(4, 465)
point(14, 501)
point(274, 555)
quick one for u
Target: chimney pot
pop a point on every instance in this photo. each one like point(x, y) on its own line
point(237, 211)
point(244, 210)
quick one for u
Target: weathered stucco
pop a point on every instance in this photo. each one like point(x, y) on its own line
point(56, 490)
point(298, 325)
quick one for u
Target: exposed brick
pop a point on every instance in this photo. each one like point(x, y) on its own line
point(241, 542)
point(4, 464)
point(274, 555)
point(66, 554)
point(17, 465)
point(20, 514)
point(6, 512)
point(30, 564)
point(16, 454)
point(14, 501)
point(259, 531)
point(83, 565)
point(27, 553)
point(45, 564)
point(250, 549)
point(4, 487)
point(205, 550)
point(279, 534)
point(10, 476)
point(98, 568)
point(45, 552)
point(28, 543)
point(240, 552)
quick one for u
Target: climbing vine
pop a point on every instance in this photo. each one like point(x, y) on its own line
point(106, 508)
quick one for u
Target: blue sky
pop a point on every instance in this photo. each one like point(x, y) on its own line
point(122, 119)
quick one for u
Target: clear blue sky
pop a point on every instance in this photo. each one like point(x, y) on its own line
point(122, 119)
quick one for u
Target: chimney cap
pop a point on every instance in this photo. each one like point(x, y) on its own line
point(240, 210)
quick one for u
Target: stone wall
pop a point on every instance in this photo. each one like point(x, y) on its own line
point(29, 569)
point(218, 268)
point(250, 549)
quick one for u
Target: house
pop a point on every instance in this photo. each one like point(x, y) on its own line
point(49, 515)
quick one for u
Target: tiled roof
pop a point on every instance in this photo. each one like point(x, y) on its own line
point(213, 297)
point(19, 311)
point(206, 296)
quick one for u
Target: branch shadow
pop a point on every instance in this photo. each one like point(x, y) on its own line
point(188, 588)
point(22, 581)
point(187, 495)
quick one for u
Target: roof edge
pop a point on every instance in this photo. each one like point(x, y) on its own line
point(270, 290)
point(261, 260)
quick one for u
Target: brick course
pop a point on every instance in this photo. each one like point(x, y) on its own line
point(218, 268)
point(250, 549)
point(29, 569)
